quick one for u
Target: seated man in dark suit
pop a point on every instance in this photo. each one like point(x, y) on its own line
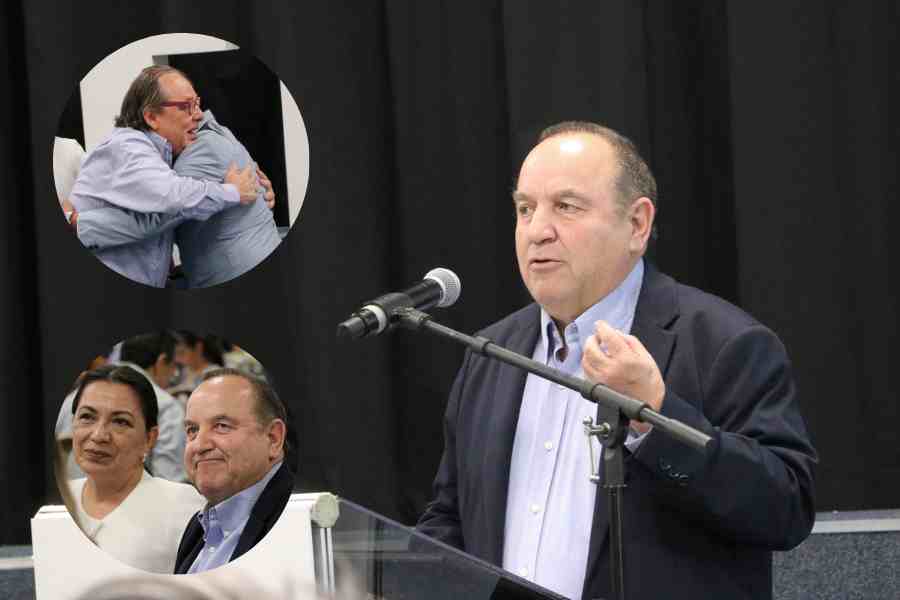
point(513, 487)
point(236, 429)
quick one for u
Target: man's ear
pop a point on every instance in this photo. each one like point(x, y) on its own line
point(276, 432)
point(151, 119)
point(641, 215)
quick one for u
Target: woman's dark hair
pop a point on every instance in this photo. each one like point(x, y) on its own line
point(126, 376)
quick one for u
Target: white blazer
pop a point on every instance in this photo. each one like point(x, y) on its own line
point(145, 529)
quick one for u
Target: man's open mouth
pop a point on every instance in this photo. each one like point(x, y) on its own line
point(96, 454)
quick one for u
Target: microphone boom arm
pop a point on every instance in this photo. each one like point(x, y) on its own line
point(416, 320)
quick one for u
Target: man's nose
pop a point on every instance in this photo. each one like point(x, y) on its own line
point(541, 228)
point(201, 442)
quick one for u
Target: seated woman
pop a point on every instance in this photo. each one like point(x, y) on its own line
point(135, 517)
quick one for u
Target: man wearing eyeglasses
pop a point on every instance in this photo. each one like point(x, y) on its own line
point(132, 170)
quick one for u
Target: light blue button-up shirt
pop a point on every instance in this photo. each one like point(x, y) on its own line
point(219, 249)
point(223, 524)
point(550, 503)
point(131, 169)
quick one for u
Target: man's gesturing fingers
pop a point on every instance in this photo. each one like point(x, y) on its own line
point(605, 347)
point(621, 362)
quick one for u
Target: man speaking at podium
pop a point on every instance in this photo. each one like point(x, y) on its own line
point(236, 428)
point(513, 484)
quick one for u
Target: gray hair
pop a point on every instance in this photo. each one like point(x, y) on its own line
point(143, 94)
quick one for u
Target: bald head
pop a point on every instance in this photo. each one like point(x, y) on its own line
point(228, 447)
point(634, 178)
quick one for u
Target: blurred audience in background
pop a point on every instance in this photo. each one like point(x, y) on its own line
point(196, 356)
point(236, 357)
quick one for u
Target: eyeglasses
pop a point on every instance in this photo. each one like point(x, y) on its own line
point(187, 106)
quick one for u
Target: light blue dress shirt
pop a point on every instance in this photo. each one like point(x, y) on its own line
point(213, 251)
point(550, 502)
point(223, 524)
point(233, 241)
point(131, 169)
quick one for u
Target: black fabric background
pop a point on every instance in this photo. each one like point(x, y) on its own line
point(771, 127)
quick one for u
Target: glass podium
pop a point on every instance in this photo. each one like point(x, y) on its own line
point(367, 556)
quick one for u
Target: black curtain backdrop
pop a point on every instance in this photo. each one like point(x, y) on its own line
point(772, 129)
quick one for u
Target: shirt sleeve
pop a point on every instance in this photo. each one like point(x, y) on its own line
point(755, 482)
point(634, 440)
point(167, 457)
point(112, 226)
point(139, 180)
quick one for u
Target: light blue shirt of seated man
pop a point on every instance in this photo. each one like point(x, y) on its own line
point(550, 502)
point(223, 524)
point(131, 170)
point(214, 250)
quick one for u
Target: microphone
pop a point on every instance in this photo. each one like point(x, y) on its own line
point(440, 287)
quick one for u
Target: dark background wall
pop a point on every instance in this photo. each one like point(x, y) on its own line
point(771, 127)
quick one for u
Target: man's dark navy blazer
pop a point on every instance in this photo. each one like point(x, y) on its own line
point(263, 516)
point(694, 526)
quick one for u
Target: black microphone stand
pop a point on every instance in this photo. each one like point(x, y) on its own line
point(614, 410)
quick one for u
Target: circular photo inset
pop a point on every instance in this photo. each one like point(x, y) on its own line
point(174, 453)
point(181, 161)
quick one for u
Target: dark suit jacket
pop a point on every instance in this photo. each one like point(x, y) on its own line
point(695, 526)
point(263, 516)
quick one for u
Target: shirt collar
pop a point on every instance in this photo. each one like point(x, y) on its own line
point(616, 308)
point(162, 146)
point(232, 512)
point(209, 122)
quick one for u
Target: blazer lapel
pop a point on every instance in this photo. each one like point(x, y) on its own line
point(190, 546)
point(656, 310)
point(504, 417)
point(266, 511)
point(252, 533)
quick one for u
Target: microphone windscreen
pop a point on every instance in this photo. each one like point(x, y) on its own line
point(450, 285)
